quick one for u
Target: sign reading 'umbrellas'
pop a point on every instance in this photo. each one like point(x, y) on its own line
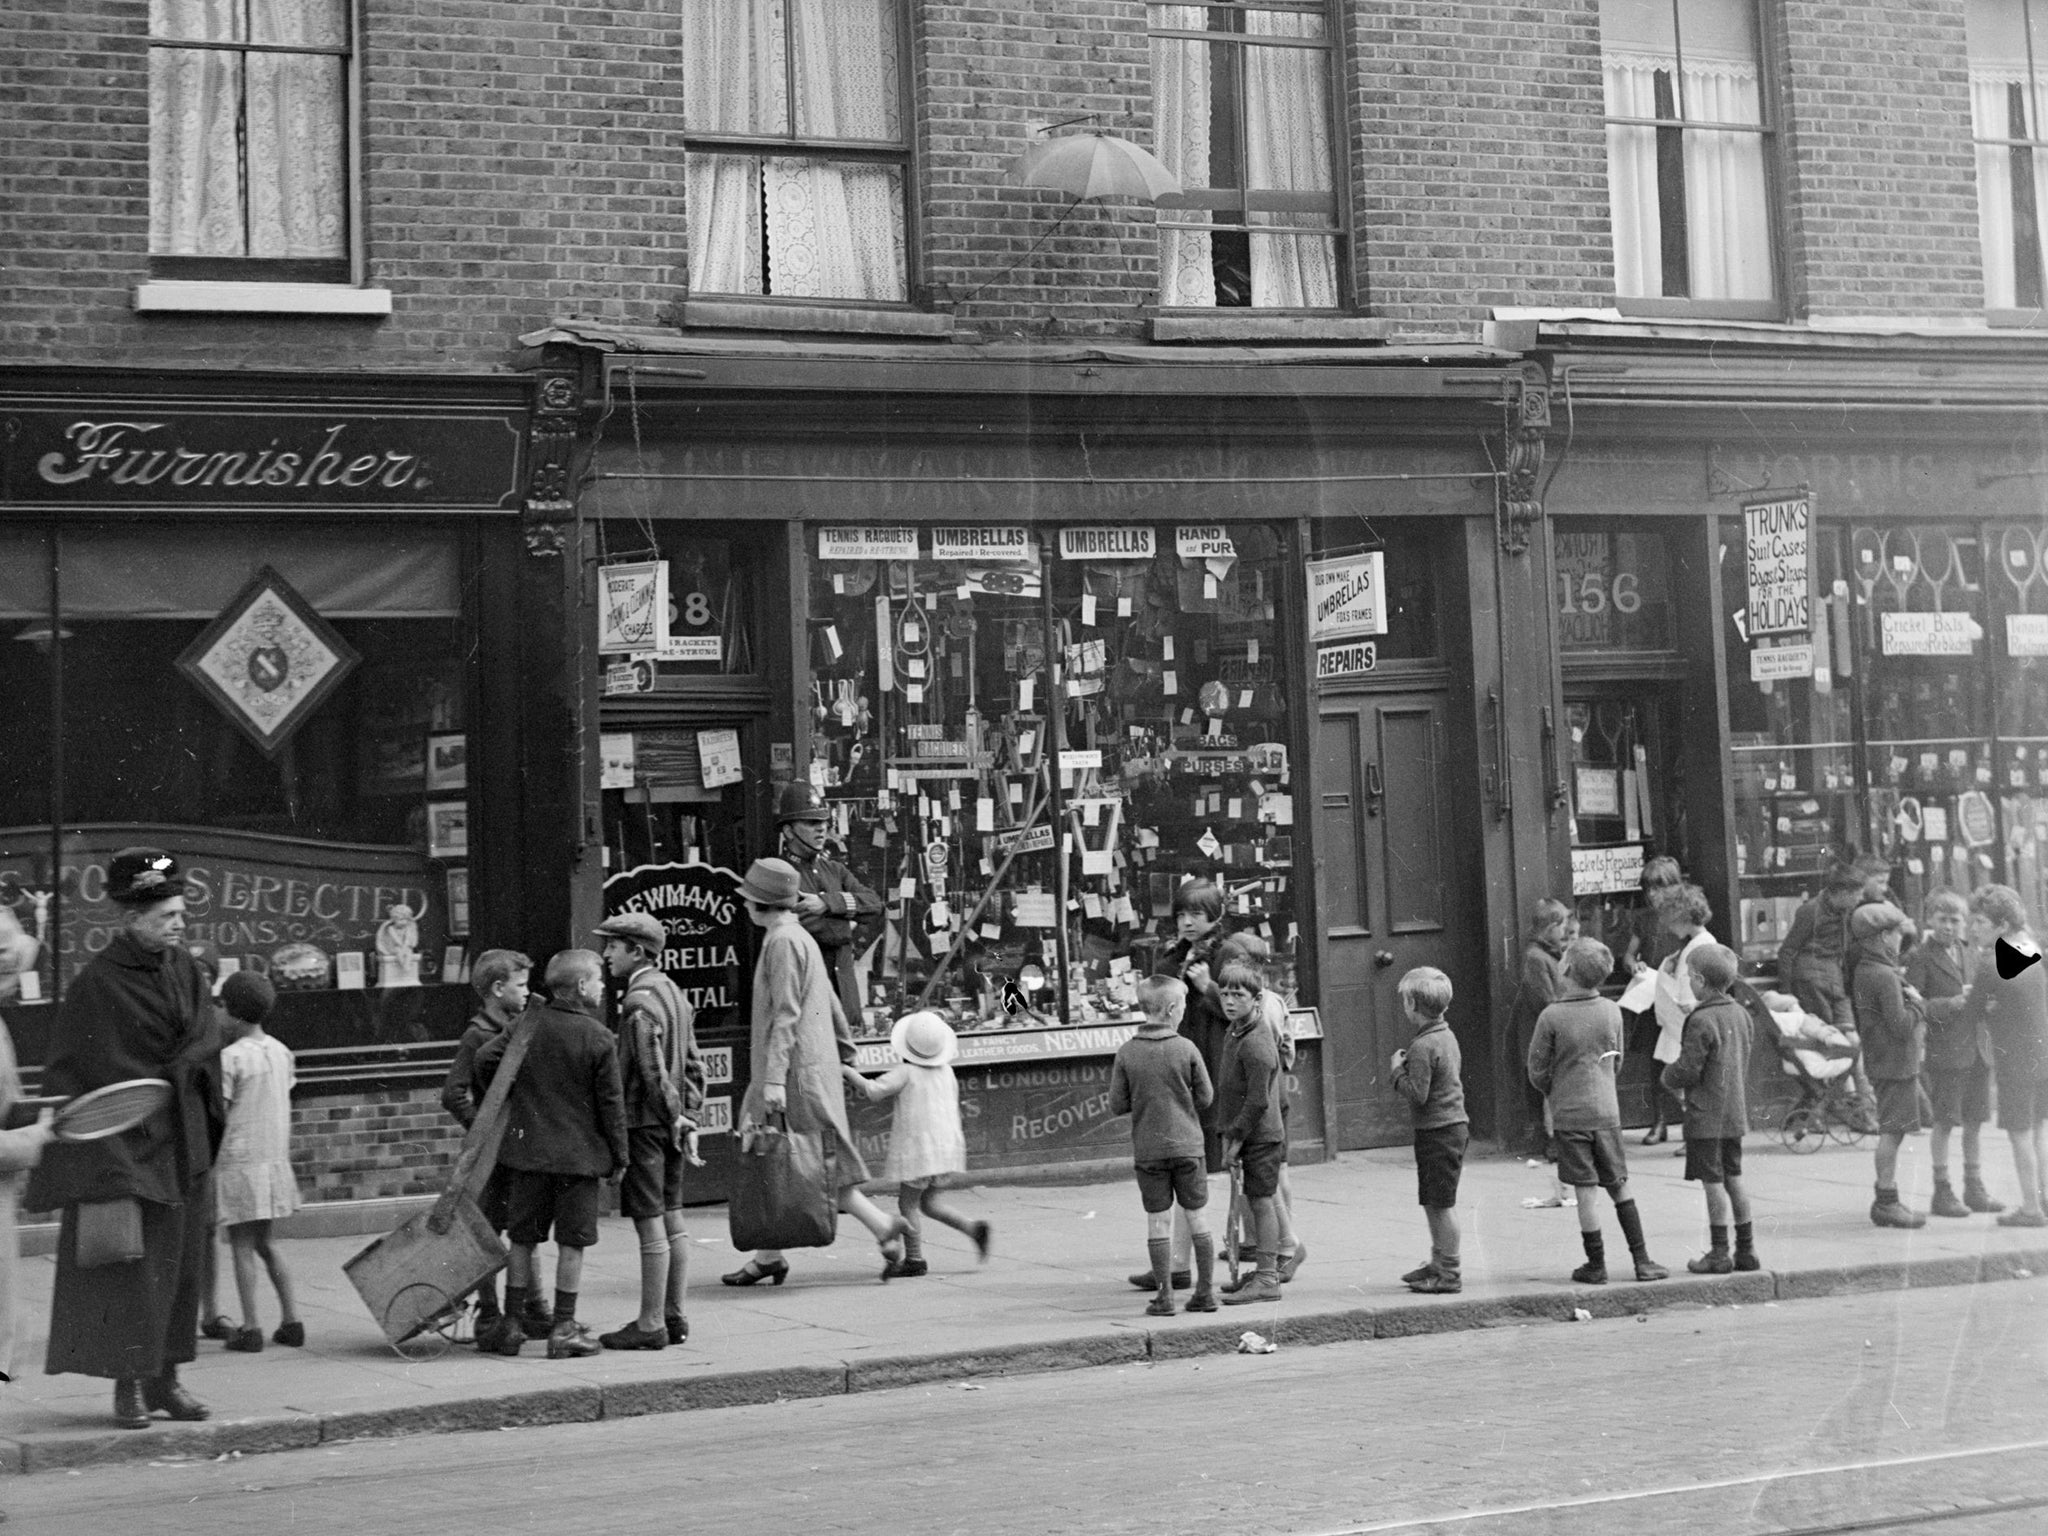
point(268, 661)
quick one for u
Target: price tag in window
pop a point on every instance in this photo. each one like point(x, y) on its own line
point(1123, 607)
point(1088, 608)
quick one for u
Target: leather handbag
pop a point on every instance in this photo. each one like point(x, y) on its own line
point(783, 1190)
point(109, 1232)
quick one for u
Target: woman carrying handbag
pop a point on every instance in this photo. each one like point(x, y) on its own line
point(800, 1038)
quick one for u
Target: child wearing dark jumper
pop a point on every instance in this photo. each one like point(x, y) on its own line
point(1158, 1079)
point(1712, 1071)
point(1428, 1074)
point(1572, 1063)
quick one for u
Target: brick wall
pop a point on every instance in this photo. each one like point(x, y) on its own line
point(520, 162)
point(373, 1145)
point(1478, 160)
point(990, 73)
point(1881, 176)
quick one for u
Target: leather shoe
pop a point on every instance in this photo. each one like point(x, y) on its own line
point(291, 1335)
point(1893, 1213)
point(1144, 1280)
point(219, 1326)
point(129, 1411)
point(633, 1336)
point(246, 1341)
point(905, 1269)
point(677, 1327)
point(1292, 1262)
point(502, 1337)
point(570, 1340)
point(537, 1322)
point(752, 1273)
point(165, 1395)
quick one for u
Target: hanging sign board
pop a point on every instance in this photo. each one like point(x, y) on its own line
point(1111, 543)
point(1777, 532)
point(632, 607)
point(1344, 596)
point(1606, 871)
point(1203, 542)
point(1927, 634)
point(984, 544)
point(1355, 659)
point(699, 909)
point(867, 543)
point(718, 758)
point(268, 661)
point(1780, 663)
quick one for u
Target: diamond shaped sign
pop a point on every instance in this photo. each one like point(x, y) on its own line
point(268, 660)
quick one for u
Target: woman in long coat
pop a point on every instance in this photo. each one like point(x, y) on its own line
point(141, 1008)
point(800, 1037)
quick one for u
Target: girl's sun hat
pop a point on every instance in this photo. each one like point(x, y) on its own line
point(924, 1040)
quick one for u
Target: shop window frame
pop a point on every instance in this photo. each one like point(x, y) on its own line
point(1670, 131)
point(2020, 148)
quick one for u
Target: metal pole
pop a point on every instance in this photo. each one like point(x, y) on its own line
point(56, 934)
point(1056, 729)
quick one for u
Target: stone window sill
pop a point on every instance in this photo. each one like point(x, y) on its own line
point(219, 298)
point(1252, 325)
point(744, 315)
point(2016, 319)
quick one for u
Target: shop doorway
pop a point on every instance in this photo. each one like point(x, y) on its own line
point(1388, 893)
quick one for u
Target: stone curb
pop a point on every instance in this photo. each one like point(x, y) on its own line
point(1114, 1345)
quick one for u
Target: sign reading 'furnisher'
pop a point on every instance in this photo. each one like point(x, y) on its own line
point(142, 453)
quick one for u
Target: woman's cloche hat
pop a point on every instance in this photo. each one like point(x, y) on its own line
point(142, 877)
point(771, 883)
point(924, 1040)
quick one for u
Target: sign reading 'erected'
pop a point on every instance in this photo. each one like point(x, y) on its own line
point(142, 452)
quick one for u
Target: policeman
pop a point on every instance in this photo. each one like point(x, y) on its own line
point(834, 900)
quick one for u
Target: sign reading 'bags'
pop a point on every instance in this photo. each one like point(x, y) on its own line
point(1777, 533)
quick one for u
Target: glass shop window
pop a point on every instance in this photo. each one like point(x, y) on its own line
point(1415, 548)
point(1030, 736)
point(708, 593)
point(2018, 601)
point(1613, 587)
point(289, 716)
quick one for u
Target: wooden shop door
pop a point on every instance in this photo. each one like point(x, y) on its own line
point(1387, 891)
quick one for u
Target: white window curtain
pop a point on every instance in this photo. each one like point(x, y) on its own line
point(1991, 118)
point(1728, 240)
point(1287, 133)
point(1180, 117)
point(832, 229)
point(273, 184)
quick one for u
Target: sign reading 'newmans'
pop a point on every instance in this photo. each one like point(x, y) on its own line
point(134, 453)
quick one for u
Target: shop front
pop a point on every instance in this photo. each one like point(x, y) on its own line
point(239, 623)
point(1043, 662)
point(1857, 661)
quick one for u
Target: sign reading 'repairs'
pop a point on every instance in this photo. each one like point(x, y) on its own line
point(184, 453)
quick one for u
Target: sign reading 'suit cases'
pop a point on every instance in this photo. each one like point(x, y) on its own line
point(1777, 541)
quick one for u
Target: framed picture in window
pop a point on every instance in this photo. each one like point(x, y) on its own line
point(458, 902)
point(447, 763)
point(447, 829)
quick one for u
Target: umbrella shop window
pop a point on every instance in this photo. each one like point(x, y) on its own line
point(289, 716)
point(1241, 107)
point(708, 589)
point(1029, 737)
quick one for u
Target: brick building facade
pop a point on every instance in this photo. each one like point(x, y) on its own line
point(1564, 284)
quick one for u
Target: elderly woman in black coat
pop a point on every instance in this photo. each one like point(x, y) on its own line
point(140, 1008)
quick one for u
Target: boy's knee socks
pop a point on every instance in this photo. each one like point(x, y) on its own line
point(1595, 1245)
point(1745, 1238)
point(1205, 1261)
point(1160, 1250)
point(1631, 1220)
point(678, 1274)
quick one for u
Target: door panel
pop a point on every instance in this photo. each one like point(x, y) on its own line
point(1388, 897)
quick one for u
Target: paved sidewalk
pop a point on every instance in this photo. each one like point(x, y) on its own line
point(1052, 1296)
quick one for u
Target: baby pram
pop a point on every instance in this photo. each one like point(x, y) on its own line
point(1818, 1057)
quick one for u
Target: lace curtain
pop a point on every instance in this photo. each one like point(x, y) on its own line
point(248, 152)
point(1727, 219)
point(827, 229)
point(1992, 94)
point(1287, 134)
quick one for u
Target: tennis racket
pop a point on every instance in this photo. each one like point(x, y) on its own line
point(105, 1111)
point(1233, 1225)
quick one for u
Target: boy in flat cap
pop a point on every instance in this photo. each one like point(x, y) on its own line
point(664, 1085)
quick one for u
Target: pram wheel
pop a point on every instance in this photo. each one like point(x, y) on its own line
point(1803, 1129)
point(1845, 1130)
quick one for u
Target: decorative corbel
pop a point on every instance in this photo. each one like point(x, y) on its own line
point(1528, 419)
point(551, 452)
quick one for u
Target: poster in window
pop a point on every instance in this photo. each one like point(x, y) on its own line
point(458, 902)
point(268, 661)
point(632, 609)
point(1777, 537)
point(447, 829)
point(447, 763)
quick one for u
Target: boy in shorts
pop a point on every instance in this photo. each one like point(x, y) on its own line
point(1428, 1076)
point(565, 1133)
point(1958, 1068)
point(1158, 1079)
point(1249, 1090)
point(1711, 1071)
point(1894, 1031)
point(1573, 1057)
point(663, 1078)
point(500, 979)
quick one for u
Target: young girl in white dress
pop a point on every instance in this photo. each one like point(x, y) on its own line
point(925, 1139)
point(252, 1177)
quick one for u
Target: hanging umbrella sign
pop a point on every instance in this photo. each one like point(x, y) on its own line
point(1093, 165)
